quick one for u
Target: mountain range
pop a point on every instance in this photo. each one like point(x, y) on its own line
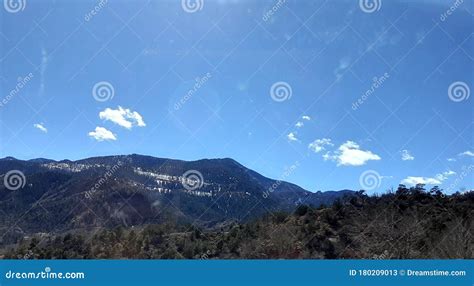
point(43, 196)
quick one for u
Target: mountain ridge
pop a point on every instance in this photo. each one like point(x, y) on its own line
point(88, 159)
point(131, 190)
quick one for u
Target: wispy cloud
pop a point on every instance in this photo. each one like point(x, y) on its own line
point(43, 67)
point(344, 63)
point(445, 175)
point(467, 153)
point(300, 123)
point(102, 134)
point(420, 180)
point(319, 145)
point(406, 156)
point(438, 179)
point(41, 127)
point(123, 117)
point(350, 154)
point(292, 136)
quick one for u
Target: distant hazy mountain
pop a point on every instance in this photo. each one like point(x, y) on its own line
point(135, 190)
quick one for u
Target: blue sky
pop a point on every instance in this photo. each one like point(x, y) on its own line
point(326, 94)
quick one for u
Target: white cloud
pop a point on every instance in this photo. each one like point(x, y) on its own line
point(300, 124)
point(444, 176)
point(467, 153)
point(406, 156)
point(102, 134)
point(451, 160)
point(437, 180)
point(319, 145)
point(41, 127)
point(349, 154)
point(292, 137)
point(343, 65)
point(420, 180)
point(123, 117)
point(328, 156)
